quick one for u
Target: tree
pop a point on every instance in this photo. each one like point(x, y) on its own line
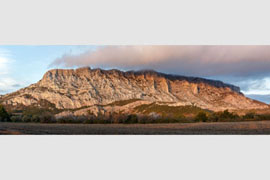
point(26, 118)
point(229, 116)
point(249, 115)
point(4, 116)
point(35, 118)
point(201, 117)
point(132, 118)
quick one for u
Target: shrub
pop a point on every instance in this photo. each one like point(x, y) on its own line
point(65, 119)
point(180, 118)
point(142, 119)
point(81, 119)
point(75, 119)
point(61, 120)
point(35, 118)
point(214, 117)
point(47, 118)
point(4, 116)
point(201, 117)
point(16, 119)
point(132, 119)
point(26, 118)
point(227, 115)
point(88, 121)
point(122, 118)
point(249, 116)
point(224, 116)
point(263, 116)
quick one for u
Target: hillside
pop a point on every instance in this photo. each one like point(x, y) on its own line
point(95, 90)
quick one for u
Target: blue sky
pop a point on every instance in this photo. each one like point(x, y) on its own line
point(21, 66)
point(244, 66)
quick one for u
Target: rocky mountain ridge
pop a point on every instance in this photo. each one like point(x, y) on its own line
point(83, 88)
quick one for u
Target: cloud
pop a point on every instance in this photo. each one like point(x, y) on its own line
point(244, 66)
point(256, 86)
point(3, 66)
point(7, 83)
point(241, 61)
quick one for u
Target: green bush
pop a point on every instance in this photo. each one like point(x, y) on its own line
point(201, 117)
point(263, 117)
point(26, 118)
point(132, 119)
point(249, 116)
point(16, 119)
point(214, 117)
point(35, 118)
point(227, 115)
point(4, 116)
point(224, 116)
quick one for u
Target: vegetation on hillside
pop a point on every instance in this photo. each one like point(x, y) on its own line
point(147, 113)
point(172, 111)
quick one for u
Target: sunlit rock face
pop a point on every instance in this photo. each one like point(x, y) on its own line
point(86, 87)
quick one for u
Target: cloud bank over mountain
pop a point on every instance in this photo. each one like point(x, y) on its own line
point(242, 65)
point(240, 61)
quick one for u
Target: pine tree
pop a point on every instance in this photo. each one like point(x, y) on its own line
point(4, 116)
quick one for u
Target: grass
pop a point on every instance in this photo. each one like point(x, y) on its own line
point(164, 110)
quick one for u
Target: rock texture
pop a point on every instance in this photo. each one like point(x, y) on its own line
point(85, 88)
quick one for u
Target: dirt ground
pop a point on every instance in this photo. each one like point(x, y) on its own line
point(222, 128)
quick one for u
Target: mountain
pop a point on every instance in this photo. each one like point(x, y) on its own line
point(96, 90)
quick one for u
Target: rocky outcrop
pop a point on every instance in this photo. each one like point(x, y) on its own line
point(69, 89)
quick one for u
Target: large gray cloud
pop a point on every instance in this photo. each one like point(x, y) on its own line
point(203, 61)
point(244, 66)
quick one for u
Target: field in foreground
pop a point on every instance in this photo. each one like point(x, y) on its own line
point(255, 127)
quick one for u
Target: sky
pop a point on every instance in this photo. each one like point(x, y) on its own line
point(245, 66)
point(21, 66)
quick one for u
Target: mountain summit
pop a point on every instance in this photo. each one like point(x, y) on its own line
point(82, 88)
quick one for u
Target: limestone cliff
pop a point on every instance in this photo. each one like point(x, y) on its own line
point(85, 87)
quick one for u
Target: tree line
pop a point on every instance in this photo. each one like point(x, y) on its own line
point(49, 117)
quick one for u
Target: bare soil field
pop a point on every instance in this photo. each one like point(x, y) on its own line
point(222, 128)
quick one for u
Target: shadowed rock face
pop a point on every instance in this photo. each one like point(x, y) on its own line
point(84, 87)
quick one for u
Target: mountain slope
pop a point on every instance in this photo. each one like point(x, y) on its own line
point(85, 87)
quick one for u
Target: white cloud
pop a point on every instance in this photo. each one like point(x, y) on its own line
point(3, 65)
point(258, 87)
point(7, 83)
